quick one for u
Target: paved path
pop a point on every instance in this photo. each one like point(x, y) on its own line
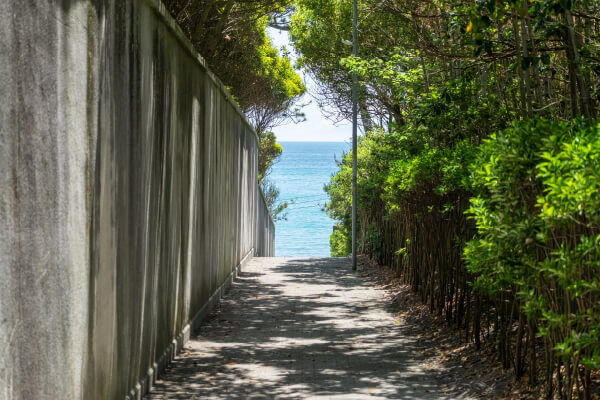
point(299, 329)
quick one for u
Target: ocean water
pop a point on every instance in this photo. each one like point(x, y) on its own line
point(302, 171)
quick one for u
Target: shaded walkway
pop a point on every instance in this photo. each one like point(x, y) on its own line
point(299, 328)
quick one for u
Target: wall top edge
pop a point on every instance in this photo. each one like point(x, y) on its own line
point(161, 10)
point(265, 203)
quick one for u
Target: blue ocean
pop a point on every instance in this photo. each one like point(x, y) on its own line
point(300, 174)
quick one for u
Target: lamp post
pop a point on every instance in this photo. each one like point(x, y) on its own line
point(354, 129)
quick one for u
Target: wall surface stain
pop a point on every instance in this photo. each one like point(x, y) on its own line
point(129, 196)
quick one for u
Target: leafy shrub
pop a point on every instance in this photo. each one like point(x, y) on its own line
point(339, 242)
point(537, 215)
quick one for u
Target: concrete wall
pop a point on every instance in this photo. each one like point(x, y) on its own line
point(128, 195)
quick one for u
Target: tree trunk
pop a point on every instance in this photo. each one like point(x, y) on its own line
point(575, 65)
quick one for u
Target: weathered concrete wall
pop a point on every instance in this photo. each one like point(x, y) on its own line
point(128, 195)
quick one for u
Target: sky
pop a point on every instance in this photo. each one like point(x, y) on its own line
point(316, 128)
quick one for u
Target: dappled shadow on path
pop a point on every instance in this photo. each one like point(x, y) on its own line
point(299, 328)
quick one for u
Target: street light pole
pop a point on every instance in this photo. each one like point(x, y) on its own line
point(354, 129)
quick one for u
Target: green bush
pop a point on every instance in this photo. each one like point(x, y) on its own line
point(340, 243)
point(537, 214)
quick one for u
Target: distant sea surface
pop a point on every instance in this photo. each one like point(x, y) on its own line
point(302, 171)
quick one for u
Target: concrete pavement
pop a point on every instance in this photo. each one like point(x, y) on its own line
point(299, 329)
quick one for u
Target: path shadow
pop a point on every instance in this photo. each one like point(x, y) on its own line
point(316, 331)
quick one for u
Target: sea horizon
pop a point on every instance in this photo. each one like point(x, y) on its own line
point(300, 174)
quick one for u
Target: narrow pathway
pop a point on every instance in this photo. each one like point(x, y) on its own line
point(299, 329)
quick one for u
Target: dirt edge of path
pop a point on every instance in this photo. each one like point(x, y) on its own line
point(465, 370)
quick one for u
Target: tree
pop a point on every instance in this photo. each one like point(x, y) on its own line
point(231, 36)
point(486, 106)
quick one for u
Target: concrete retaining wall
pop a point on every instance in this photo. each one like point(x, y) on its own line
point(128, 196)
